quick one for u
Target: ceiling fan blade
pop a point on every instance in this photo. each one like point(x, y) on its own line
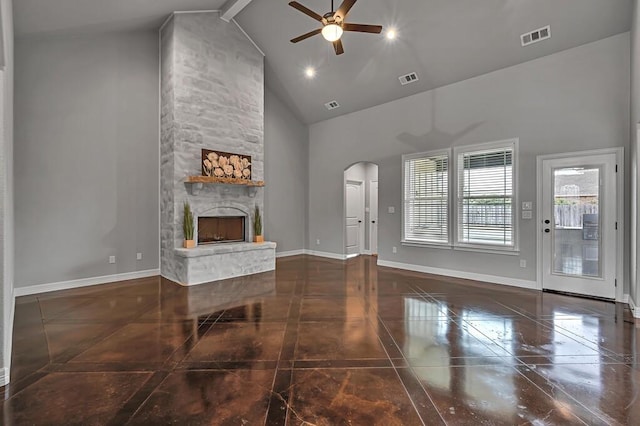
point(310, 13)
point(307, 35)
point(363, 28)
point(344, 9)
point(337, 45)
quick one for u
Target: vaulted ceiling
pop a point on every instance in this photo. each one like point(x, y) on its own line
point(443, 41)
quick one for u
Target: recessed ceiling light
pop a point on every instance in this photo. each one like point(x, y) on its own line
point(391, 34)
point(310, 72)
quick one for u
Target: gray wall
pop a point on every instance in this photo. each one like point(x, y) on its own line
point(570, 101)
point(634, 153)
point(6, 191)
point(286, 153)
point(86, 156)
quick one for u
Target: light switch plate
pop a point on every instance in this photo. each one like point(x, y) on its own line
point(392, 209)
point(527, 214)
point(527, 205)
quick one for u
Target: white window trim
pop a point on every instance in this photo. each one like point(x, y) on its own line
point(453, 243)
point(514, 216)
point(409, 242)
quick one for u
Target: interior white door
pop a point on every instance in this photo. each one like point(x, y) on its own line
point(373, 217)
point(579, 199)
point(354, 217)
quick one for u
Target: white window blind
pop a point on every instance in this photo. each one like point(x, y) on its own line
point(426, 198)
point(485, 196)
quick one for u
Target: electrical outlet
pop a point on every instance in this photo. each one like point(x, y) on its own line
point(394, 249)
point(523, 263)
point(112, 259)
point(138, 256)
point(391, 210)
point(318, 242)
point(527, 205)
point(527, 214)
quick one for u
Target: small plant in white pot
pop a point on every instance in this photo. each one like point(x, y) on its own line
point(257, 226)
point(187, 227)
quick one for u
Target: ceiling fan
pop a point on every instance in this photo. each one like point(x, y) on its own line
point(333, 24)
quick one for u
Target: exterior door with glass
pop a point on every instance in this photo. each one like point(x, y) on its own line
point(579, 225)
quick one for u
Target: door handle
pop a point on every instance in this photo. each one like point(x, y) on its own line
point(547, 230)
point(373, 221)
point(359, 221)
point(547, 221)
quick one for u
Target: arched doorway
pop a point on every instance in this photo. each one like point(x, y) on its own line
point(361, 209)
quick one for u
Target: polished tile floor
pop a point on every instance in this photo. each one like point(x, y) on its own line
point(321, 342)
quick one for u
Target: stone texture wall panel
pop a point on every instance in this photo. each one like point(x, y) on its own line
point(212, 89)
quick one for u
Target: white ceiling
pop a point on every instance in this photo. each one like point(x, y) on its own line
point(444, 41)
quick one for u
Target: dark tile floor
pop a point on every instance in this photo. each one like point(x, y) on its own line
point(321, 342)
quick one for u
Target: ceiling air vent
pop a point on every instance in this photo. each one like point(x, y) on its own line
point(536, 36)
point(332, 105)
point(409, 78)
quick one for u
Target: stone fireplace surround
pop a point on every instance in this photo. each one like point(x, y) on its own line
point(212, 97)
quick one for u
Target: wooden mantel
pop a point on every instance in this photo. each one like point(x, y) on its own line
point(224, 180)
point(197, 182)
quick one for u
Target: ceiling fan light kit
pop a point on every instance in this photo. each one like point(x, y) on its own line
point(333, 24)
point(332, 32)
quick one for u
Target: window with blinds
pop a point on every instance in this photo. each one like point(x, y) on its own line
point(485, 195)
point(426, 198)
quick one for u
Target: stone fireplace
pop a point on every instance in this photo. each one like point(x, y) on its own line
point(212, 97)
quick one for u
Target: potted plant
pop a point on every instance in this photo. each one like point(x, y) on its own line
point(257, 226)
point(187, 227)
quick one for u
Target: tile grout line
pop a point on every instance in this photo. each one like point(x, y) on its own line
point(564, 332)
point(275, 407)
point(395, 369)
point(552, 397)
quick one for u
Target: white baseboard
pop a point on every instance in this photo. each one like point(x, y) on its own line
point(326, 254)
point(290, 253)
point(625, 298)
point(84, 282)
point(4, 376)
point(633, 307)
point(351, 256)
point(493, 279)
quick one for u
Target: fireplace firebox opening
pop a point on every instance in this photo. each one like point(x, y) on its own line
point(221, 229)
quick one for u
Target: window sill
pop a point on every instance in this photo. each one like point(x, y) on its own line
point(488, 250)
point(426, 245)
point(506, 252)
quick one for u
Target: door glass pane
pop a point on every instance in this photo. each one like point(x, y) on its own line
point(576, 234)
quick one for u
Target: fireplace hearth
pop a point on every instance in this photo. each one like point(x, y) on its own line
point(221, 229)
